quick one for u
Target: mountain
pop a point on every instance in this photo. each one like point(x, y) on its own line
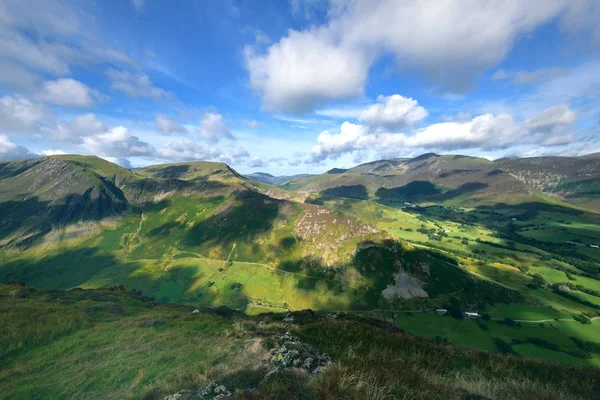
point(392, 239)
point(573, 179)
point(464, 180)
point(275, 180)
point(194, 232)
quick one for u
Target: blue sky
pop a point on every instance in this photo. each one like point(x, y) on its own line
point(298, 86)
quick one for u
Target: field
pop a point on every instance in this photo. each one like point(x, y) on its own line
point(481, 240)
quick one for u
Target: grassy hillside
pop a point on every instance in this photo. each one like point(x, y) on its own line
point(113, 344)
point(462, 180)
point(200, 234)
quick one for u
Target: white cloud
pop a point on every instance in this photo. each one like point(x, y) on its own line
point(18, 114)
point(167, 125)
point(15, 76)
point(9, 150)
point(306, 69)
point(352, 137)
point(76, 128)
point(256, 163)
point(52, 152)
point(122, 161)
point(68, 92)
point(117, 142)
point(330, 62)
point(41, 56)
point(212, 128)
point(188, 150)
point(137, 85)
point(483, 133)
point(393, 112)
point(552, 118)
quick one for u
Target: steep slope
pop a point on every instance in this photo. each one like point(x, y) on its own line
point(430, 177)
point(200, 233)
point(574, 179)
point(462, 180)
point(37, 194)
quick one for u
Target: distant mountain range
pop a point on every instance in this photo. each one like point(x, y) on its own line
point(275, 180)
point(463, 180)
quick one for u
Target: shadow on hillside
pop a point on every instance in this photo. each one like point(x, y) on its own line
point(32, 218)
point(465, 189)
point(350, 191)
point(455, 172)
point(63, 270)
point(252, 214)
point(171, 171)
point(376, 264)
point(74, 268)
point(409, 191)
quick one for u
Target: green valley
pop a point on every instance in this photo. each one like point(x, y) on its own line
point(201, 235)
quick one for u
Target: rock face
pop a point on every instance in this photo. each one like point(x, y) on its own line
point(211, 390)
point(405, 287)
point(292, 353)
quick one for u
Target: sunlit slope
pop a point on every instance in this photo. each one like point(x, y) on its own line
point(200, 233)
point(462, 180)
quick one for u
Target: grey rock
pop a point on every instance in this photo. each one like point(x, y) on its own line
point(211, 390)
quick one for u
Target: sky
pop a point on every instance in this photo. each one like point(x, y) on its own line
point(298, 86)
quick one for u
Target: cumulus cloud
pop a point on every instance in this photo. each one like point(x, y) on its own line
point(9, 150)
point(393, 112)
point(137, 85)
point(117, 142)
point(168, 125)
point(52, 152)
point(18, 114)
point(554, 117)
point(213, 129)
point(307, 68)
point(68, 92)
point(76, 128)
point(15, 76)
point(122, 161)
point(256, 163)
point(350, 138)
point(484, 132)
point(188, 150)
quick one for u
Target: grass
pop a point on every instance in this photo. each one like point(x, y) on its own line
point(116, 345)
point(464, 333)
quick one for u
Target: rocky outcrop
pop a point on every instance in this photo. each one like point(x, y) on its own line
point(211, 390)
point(292, 353)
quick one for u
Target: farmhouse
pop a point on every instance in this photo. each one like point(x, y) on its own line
point(441, 311)
point(471, 314)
